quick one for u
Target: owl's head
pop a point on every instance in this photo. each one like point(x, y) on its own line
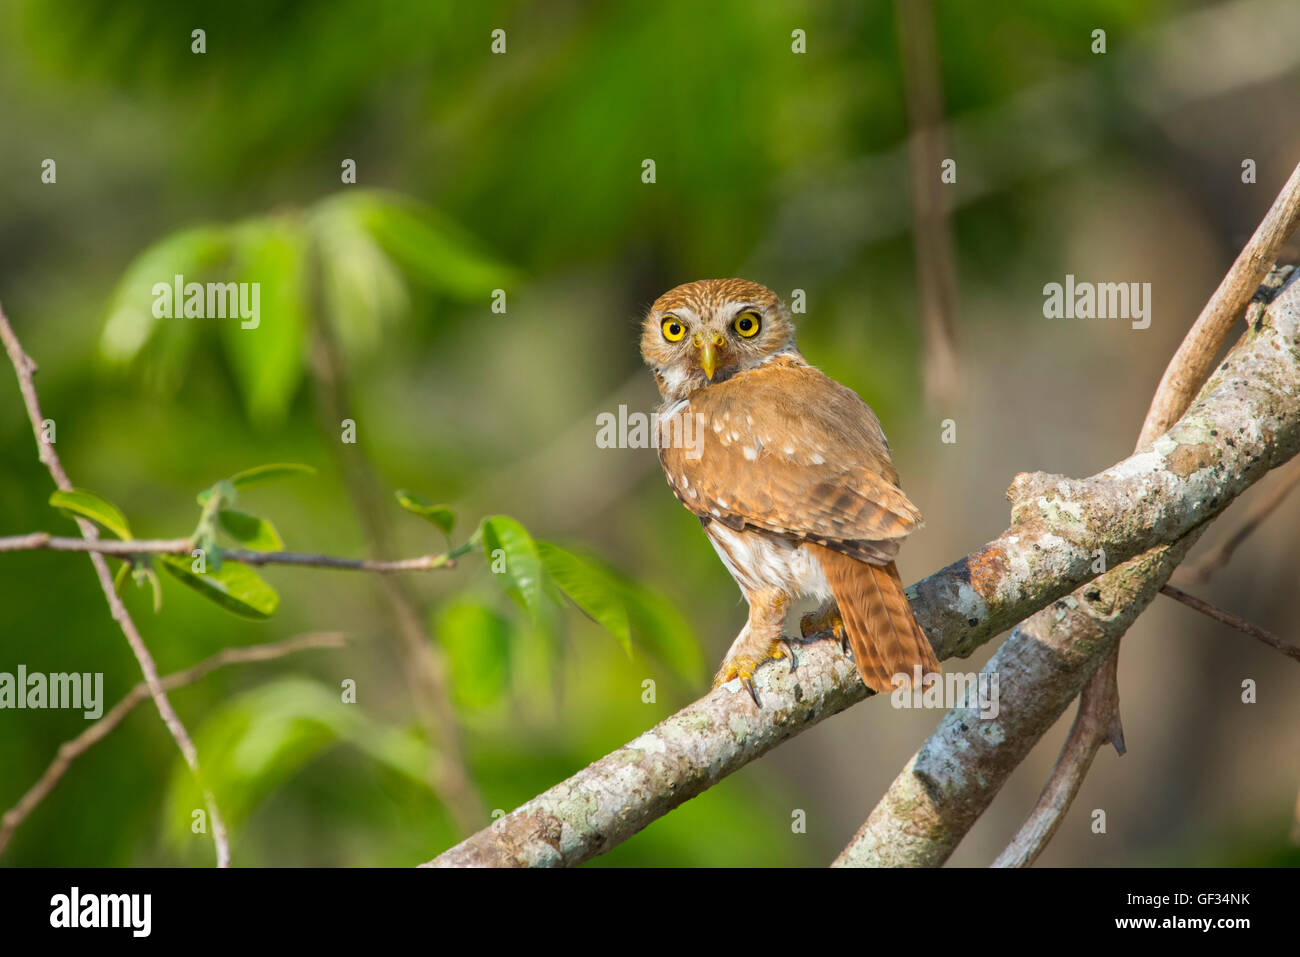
point(707, 331)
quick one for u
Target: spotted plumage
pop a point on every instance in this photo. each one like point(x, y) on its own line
point(791, 478)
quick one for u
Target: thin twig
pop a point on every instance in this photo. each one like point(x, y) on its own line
point(182, 546)
point(1195, 356)
point(1090, 730)
point(1211, 562)
point(1227, 618)
point(72, 749)
point(24, 368)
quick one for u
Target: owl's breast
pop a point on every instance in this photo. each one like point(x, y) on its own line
point(760, 560)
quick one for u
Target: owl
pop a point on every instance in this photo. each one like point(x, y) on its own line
point(790, 474)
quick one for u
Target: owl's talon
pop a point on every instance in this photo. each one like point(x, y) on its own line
point(789, 650)
point(742, 667)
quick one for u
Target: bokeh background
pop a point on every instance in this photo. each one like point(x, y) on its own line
point(523, 171)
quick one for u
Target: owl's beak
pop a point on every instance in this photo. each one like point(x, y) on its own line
point(709, 352)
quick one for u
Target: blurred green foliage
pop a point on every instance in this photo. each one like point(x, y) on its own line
point(476, 173)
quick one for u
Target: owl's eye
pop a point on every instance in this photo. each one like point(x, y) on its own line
point(673, 329)
point(747, 324)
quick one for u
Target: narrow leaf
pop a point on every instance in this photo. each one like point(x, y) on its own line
point(591, 588)
point(270, 473)
point(267, 350)
point(120, 578)
point(477, 642)
point(235, 587)
point(432, 248)
point(88, 505)
point(440, 515)
point(512, 557)
point(250, 530)
point(254, 743)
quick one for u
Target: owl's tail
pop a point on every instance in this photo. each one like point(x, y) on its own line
point(883, 633)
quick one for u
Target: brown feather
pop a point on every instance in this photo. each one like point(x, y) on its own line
point(882, 631)
point(787, 450)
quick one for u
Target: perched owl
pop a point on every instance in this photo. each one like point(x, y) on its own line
point(791, 479)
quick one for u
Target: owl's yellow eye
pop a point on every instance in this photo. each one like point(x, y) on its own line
point(673, 329)
point(747, 324)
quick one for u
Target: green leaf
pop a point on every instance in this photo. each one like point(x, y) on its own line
point(270, 473)
point(254, 743)
point(250, 530)
point(512, 557)
point(591, 587)
point(440, 515)
point(268, 351)
point(233, 586)
point(225, 488)
point(145, 575)
point(120, 578)
point(476, 640)
point(131, 322)
point(88, 505)
point(431, 247)
point(661, 629)
point(363, 290)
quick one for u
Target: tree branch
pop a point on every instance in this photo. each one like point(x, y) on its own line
point(950, 807)
point(182, 546)
point(1247, 421)
point(1098, 717)
point(1211, 562)
point(1195, 356)
point(74, 748)
point(1232, 621)
point(24, 368)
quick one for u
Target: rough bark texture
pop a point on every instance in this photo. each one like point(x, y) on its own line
point(1246, 421)
point(955, 775)
point(1041, 668)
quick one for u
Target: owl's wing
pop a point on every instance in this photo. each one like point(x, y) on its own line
point(785, 449)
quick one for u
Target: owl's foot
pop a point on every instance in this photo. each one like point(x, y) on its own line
point(744, 665)
point(825, 622)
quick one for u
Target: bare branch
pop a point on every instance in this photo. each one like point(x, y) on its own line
point(1091, 729)
point(72, 749)
point(1232, 621)
point(1098, 718)
point(183, 546)
point(1211, 562)
point(24, 367)
point(1195, 356)
point(1098, 705)
point(1041, 667)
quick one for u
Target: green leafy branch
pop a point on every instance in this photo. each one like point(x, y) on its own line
point(536, 575)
